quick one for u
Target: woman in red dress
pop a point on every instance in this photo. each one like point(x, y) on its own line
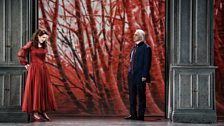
point(38, 96)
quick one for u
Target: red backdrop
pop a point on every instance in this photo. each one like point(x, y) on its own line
point(219, 54)
point(89, 50)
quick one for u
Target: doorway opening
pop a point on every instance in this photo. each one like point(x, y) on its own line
point(94, 39)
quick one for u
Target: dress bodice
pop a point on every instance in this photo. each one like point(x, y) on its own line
point(38, 54)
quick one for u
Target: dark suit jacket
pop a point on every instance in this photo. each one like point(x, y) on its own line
point(142, 63)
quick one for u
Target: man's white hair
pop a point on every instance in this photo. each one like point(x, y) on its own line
point(141, 33)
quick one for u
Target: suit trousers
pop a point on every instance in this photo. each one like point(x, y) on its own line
point(137, 92)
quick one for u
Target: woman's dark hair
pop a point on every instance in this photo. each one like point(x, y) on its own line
point(39, 32)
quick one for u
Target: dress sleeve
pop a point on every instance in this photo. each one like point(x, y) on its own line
point(23, 52)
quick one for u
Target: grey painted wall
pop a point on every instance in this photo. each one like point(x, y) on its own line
point(190, 61)
point(17, 23)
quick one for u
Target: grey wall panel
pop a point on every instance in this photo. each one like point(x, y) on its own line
point(2, 31)
point(18, 19)
point(184, 90)
point(12, 86)
point(193, 97)
point(2, 87)
point(204, 93)
point(201, 34)
point(16, 32)
point(25, 26)
point(193, 89)
point(183, 32)
point(191, 71)
point(15, 94)
point(8, 19)
point(16, 25)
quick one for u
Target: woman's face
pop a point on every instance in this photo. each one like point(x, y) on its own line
point(42, 38)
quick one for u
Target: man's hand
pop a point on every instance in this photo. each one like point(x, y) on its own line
point(27, 66)
point(143, 79)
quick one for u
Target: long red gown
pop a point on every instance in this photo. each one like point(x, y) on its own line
point(38, 95)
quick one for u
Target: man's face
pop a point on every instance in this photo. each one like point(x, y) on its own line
point(136, 37)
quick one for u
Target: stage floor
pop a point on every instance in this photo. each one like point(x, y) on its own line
point(106, 121)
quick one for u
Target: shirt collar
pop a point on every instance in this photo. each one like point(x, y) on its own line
point(138, 43)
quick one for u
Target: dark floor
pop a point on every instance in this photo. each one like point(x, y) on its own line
point(106, 121)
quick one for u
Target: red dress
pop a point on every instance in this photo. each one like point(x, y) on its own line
point(38, 95)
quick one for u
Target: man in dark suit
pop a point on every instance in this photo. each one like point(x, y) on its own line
point(138, 75)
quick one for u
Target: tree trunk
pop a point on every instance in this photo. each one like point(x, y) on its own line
point(57, 58)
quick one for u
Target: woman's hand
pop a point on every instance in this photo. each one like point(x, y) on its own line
point(27, 66)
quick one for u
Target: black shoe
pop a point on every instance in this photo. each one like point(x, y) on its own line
point(130, 117)
point(140, 118)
